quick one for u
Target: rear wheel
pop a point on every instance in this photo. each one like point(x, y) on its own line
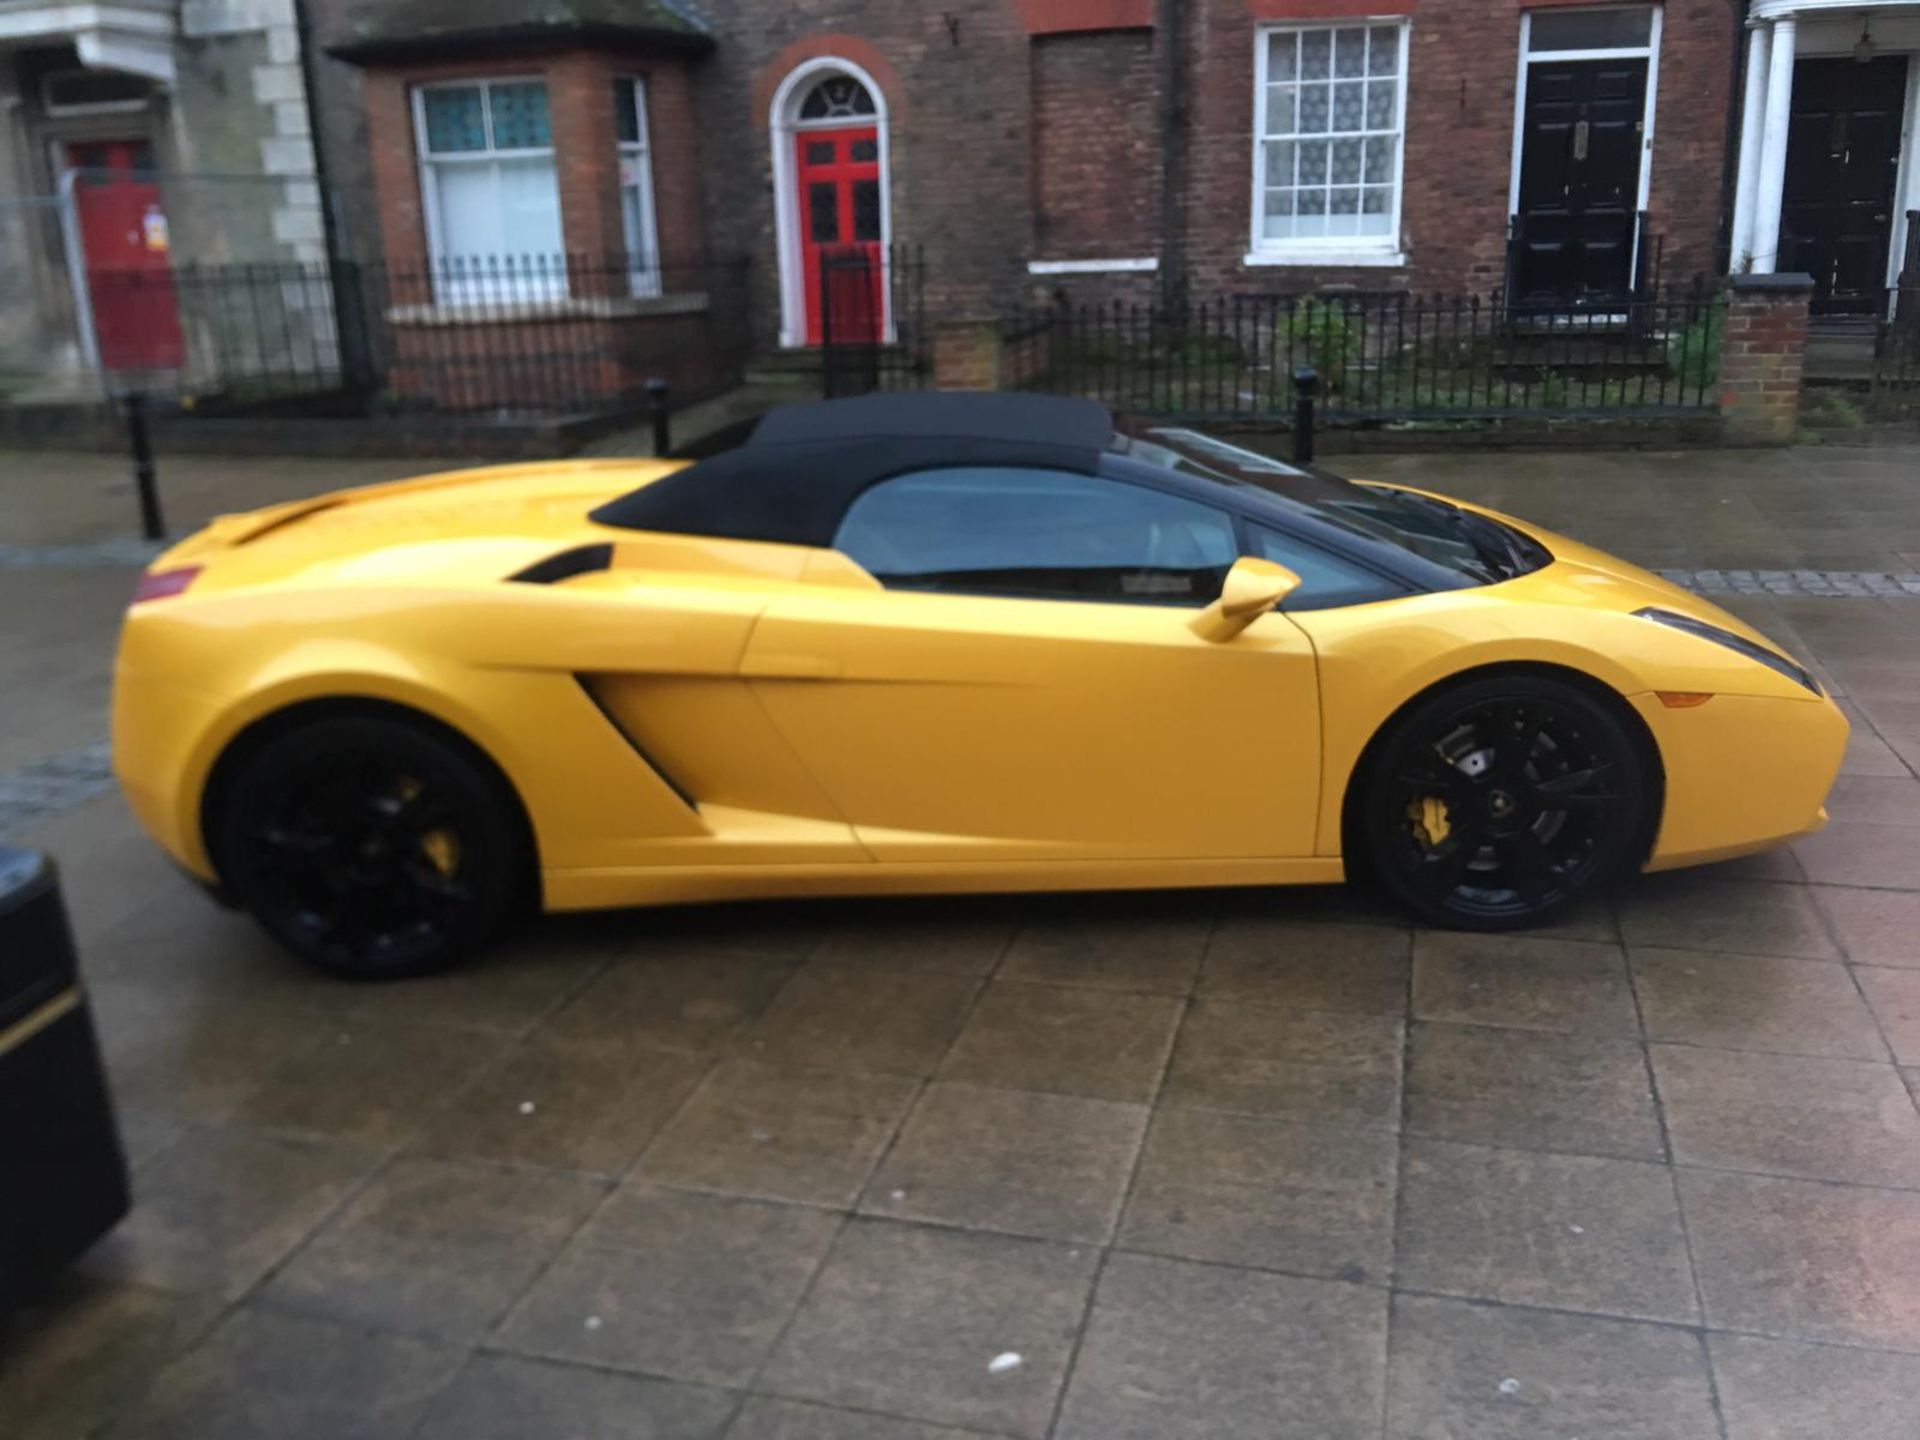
point(1498, 803)
point(372, 848)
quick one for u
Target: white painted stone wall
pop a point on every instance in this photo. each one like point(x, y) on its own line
point(279, 88)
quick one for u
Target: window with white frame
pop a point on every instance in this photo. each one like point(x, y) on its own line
point(492, 198)
point(636, 186)
point(1329, 122)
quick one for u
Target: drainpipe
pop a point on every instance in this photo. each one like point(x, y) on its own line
point(343, 275)
point(1730, 146)
point(1170, 30)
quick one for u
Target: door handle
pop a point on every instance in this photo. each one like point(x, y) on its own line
point(1580, 134)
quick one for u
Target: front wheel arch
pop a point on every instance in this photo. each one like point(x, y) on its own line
point(1354, 852)
point(232, 759)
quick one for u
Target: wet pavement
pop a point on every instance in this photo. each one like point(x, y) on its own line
point(1214, 1165)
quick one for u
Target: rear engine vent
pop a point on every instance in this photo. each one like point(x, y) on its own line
point(581, 560)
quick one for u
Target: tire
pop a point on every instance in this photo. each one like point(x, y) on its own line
point(373, 848)
point(1497, 804)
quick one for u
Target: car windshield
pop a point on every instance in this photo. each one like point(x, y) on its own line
point(1442, 534)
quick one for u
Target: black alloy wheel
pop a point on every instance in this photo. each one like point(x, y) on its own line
point(1498, 803)
point(371, 848)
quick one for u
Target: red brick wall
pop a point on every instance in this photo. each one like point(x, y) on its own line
point(1007, 145)
point(1096, 146)
point(1462, 75)
point(581, 103)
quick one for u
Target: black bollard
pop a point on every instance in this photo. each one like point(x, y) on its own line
point(662, 429)
point(63, 1180)
point(152, 525)
point(1306, 385)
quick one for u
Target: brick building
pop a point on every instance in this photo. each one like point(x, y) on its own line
point(1552, 150)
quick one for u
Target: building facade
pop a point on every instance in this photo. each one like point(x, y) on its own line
point(139, 139)
point(1826, 182)
point(1212, 147)
point(572, 174)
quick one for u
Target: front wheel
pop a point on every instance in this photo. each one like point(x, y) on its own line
point(1498, 803)
point(372, 848)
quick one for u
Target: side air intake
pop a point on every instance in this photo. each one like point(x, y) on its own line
point(581, 560)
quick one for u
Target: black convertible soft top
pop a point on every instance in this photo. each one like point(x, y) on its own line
point(793, 477)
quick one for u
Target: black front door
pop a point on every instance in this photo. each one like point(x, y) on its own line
point(1579, 181)
point(1843, 151)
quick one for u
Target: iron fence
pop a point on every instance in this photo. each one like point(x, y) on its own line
point(873, 319)
point(1380, 357)
point(520, 334)
point(1895, 390)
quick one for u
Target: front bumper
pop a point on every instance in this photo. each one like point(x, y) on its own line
point(1743, 773)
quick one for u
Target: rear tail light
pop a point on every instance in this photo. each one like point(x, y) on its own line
point(163, 584)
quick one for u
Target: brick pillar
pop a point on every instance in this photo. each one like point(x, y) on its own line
point(1761, 353)
point(966, 354)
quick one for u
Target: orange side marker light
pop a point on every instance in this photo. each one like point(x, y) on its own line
point(1682, 699)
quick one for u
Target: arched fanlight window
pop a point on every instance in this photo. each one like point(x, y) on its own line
point(838, 97)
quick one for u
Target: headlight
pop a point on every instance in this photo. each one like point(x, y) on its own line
point(1772, 659)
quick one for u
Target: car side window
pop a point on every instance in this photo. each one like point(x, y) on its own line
point(1038, 534)
point(1326, 580)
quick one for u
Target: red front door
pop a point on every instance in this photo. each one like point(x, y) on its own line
point(839, 176)
point(123, 232)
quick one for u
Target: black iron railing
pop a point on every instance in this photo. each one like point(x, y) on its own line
point(1895, 390)
point(533, 333)
point(873, 320)
point(1379, 357)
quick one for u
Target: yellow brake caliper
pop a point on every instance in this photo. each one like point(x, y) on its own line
point(441, 847)
point(1428, 815)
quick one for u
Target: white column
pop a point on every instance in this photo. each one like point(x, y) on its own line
point(1770, 191)
point(1752, 119)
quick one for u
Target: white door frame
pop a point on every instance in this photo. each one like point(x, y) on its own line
point(1650, 52)
point(782, 126)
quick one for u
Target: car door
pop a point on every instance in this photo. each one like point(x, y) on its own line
point(1026, 685)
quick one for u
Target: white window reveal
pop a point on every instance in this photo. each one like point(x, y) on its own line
point(1329, 125)
point(491, 194)
point(636, 186)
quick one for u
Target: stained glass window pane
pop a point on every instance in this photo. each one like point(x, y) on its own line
point(1379, 166)
point(1314, 110)
point(1382, 101)
point(519, 113)
point(454, 120)
point(1349, 53)
point(1349, 105)
point(1316, 54)
point(1346, 156)
point(1313, 162)
point(1383, 50)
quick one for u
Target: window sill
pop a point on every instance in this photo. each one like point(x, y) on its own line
point(496, 312)
point(1330, 257)
point(1144, 265)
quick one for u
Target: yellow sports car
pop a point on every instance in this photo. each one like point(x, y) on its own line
point(924, 643)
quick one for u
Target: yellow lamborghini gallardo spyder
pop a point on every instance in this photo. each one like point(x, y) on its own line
point(929, 643)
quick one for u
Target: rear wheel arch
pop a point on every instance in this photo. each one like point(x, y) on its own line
point(216, 793)
point(1354, 852)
